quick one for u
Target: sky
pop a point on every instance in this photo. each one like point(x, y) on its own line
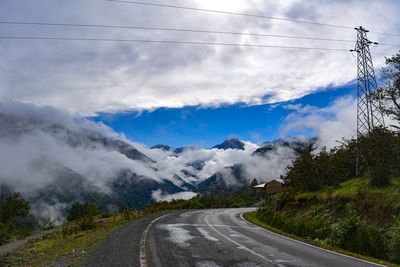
point(206, 127)
point(197, 95)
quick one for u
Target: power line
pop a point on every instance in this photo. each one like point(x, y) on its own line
point(247, 15)
point(384, 33)
point(173, 29)
point(182, 30)
point(232, 13)
point(170, 42)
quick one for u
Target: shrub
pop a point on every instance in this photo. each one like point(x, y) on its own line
point(69, 228)
point(393, 237)
point(5, 233)
point(82, 210)
point(86, 223)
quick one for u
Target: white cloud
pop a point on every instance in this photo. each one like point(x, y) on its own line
point(91, 77)
point(330, 124)
point(158, 195)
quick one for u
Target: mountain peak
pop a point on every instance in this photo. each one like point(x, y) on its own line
point(233, 143)
point(162, 147)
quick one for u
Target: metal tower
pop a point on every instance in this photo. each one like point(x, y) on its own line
point(368, 113)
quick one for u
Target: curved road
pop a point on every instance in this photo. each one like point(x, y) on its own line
point(208, 238)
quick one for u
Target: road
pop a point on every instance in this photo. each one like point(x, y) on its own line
point(208, 238)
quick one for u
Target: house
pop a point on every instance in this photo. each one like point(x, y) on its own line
point(260, 190)
point(274, 187)
point(270, 188)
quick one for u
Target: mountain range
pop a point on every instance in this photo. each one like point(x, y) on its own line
point(59, 160)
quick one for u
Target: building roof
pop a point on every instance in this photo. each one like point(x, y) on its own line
point(264, 184)
point(278, 180)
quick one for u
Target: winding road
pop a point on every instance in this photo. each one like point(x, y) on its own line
point(208, 238)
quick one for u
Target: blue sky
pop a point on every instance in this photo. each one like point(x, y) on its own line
point(206, 127)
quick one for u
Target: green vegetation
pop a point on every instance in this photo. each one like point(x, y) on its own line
point(68, 246)
point(389, 95)
point(82, 210)
point(252, 217)
point(359, 215)
point(12, 207)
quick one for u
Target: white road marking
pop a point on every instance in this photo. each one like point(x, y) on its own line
point(215, 225)
point(288, 238)
point(236, 243)
point(142, 251)
point(206, 235)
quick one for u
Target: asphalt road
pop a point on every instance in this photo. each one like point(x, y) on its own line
point(208, 238)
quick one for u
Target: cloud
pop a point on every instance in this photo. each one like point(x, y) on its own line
point(89, 77)
point(158, 195)
point(37, 144)
point(330, 124)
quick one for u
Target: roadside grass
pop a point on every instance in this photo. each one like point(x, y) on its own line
point(65, 250)
point(389, 194)
point(252, 217)
point(351, 187)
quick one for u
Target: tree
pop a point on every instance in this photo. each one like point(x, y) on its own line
point(381, 149)
point(252, 185)
point(11, 207)
point(389, 95)
point(302, 174)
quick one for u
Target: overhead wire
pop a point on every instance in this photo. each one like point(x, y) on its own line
point(247, 15)
point(170, 42)
point(229, 13)
point(174, 30)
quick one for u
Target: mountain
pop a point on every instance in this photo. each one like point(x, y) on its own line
point(162, 147)
point(167, 148)
point(228, 180)
point(296, 144)
point(55, 160)
point(233, 143)
point(133, 191)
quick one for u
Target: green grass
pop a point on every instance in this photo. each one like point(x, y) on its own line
point(70, 250)
point(395, 181)
point(351, 187)
point(252, 217)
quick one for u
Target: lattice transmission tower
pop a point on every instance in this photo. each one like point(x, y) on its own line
point(369, 115)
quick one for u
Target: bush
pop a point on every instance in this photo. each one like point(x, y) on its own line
point(82, 210)
point(86, 223)
point(69, 228)
point(350, 232)
point(5, 233)
point(393, 237)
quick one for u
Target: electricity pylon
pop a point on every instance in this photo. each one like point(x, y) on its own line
point(369, 115)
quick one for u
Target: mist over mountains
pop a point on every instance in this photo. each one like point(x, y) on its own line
point(54, 159)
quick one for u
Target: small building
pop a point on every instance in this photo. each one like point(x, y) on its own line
point(260, 190)
point(270, 188)
point(274, 187)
